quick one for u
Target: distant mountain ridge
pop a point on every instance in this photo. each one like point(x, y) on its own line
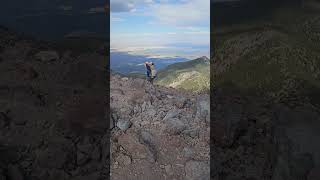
point(192, 75)
point(126, 63)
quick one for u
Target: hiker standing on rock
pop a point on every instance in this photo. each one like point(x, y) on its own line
point(151, 71)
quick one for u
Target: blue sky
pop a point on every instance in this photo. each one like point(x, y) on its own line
point(161, 28)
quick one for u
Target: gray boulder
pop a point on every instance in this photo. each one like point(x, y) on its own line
point(123, 124)
point(197, 170)
point(192, 132)
point(203, 107)
point(146, 137)
point(171, 114)
point(175, 126)
point(187, 152)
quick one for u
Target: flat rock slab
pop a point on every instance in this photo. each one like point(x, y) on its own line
point(132, 145)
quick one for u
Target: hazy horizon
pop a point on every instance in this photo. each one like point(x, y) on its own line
point(160, 28)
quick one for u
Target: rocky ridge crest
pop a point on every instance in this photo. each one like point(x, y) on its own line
point(163, 130)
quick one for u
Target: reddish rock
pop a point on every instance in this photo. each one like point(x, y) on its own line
point(131, 144)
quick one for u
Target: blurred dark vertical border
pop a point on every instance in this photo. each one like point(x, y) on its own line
point(54, 90)
point(108, 164)
point(211, 85)
point(265, 84)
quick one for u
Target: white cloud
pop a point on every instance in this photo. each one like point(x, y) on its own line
point(198, 32)
point(191, 19)
point(186, 13)
point(189, 13)
point(171, 33)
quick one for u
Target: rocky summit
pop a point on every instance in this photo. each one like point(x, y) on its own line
point(158, 132)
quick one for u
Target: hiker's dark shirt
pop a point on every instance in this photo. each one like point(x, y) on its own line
point(148, 70)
